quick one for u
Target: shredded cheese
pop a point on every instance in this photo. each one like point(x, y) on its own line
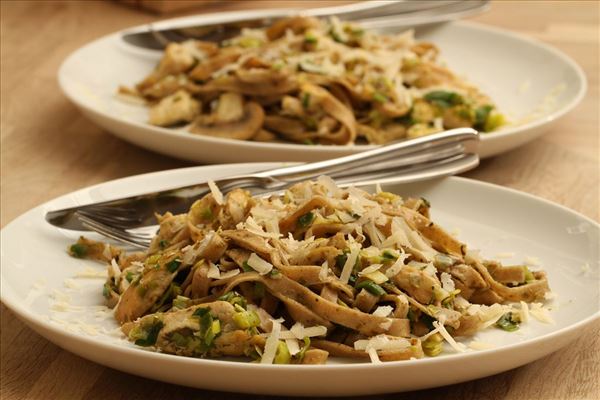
point(324, 271)
point(271, 344)
point(259, 265)
point(459, 347)
point(349, 265)
point(214, 189)
point(383, 311)
point(476, 345)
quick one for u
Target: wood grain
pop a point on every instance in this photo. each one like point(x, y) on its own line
point(48, 149)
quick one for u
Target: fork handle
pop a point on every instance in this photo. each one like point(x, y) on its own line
point(423, 149)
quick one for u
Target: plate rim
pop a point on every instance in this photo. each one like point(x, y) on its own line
point(171, 133)
point(39, 324)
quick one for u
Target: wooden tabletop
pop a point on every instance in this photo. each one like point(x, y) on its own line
point(49, 148)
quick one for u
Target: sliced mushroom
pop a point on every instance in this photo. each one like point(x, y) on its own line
point(231, 119)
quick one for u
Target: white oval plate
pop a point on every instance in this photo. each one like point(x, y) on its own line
point(526, 78)
point(36, 267)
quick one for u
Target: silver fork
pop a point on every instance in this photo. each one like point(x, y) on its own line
point(441, 154)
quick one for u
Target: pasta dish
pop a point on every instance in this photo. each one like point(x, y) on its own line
point(317, 271)
point(310, 81)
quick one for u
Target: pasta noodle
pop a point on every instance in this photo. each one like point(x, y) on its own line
point(314, 272)
point(310, 81)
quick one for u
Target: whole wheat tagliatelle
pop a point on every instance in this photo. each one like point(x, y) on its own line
point(312, 81)
point(317, 271)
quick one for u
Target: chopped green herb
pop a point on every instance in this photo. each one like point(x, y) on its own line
point(246, 319)
point(341, 259)
point(235, 299)
point(78, 250)
point(275, 274)
point(300, 355)
point(207, 214)
point(481, 115)
point(388, 255)
point(306, 219)
point(106, 291)
point(282, 356)
point(209, 327)
point(352, 279)
point(150, 334)
point(444, 99)
point(181, 302)
point(371, 287)
point(246, 267)
point(493, 121)
point(310, 38)
point(528, 275)
point(173, 265)
point(129, 276)
point(508, 322)
point(305, 100)
point(433, 345)
point(380, 97)
point(163, 244)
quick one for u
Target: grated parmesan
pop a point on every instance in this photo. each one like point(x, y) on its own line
point(459, 347)
point(271, 343)
point(383, 311)
point(349, 265)
point(259, 265)
point(476, 345)
point(214, 189)
point(324, 271)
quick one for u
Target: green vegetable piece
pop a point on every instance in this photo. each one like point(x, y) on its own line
point(129, 276)
point(508, 322)
point(493, 121)
point(246, 319)
point(106, 291)
point(173, 265)
point(246, 267)
point(444, 99)
point(78, 250)
point(181, 302)
point(282, 356)
point(149, 334)
point(528, 275)
point(341, 259)
point(209, 327)
point(180, 340)
point(306, 219)
point(234, 299)
point(371, 287)
point(310, 38)
point(433, 345)
point(163, 244)
point(305, 100)
point(207, 214)
point(300, 355)
point(380, 97)
point(481, 115)
point(388, 255)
